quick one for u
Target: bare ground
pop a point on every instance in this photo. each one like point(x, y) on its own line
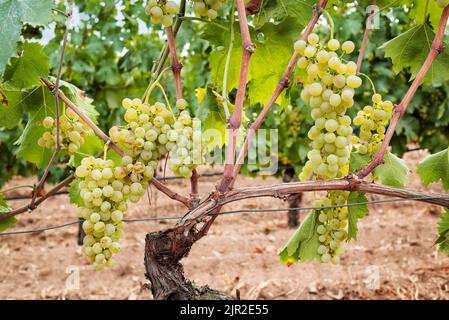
point(395, 242)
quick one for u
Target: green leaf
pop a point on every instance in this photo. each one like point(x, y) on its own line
point(411, 48)
point(358, 161)
point(268, 61)
point(4, 208)
point(12, 102)
point(423, 10)
point(356, 212)
point(393, 172)
point(26, 70)
point(80, 99)
point(74, 193)
point(278, 10)
point(91, 146)
point(43, 105)
point(435, 167)
point(443, 231)
point(212, 118)
point(304, 244)
point(12, 14)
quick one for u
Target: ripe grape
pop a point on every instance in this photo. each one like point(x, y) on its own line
point(72, 131)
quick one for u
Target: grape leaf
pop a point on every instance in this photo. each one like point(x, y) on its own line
point(423, 10)
point(212, 118)
point(43, 105)
point(92, 145)
point(411, 48)
point(268, 61)
point(26, 70)
point(443, 231)
point(80, 99)
point(9, 31)
point(12, 14)
point(4, 208)
point(74, 193)
point(356, 212)
point(303, 245)
point(358, 161)
point(278, 10)
point(393, 172)
point(435, 167)
point(11, 105)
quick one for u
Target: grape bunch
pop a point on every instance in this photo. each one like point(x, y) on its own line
point(329, 90)
point(104, 191)
point(331, 225)
point(372, 121)
point(161, 11)
point(71, 134)
point(147, 136)
point(189, 150)
point(207, 8)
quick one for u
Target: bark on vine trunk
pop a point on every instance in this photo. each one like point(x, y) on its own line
point(163, 252)
point(294, 201)
point(293, 218)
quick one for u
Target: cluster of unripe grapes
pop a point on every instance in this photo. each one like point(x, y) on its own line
point(329, 89)
point(161, 11)
point(372, 121)
point(104, 191)
point(331, 226)
point(207, 8)
point(71, 134)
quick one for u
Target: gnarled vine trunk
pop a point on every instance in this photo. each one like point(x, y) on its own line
point(163, 252)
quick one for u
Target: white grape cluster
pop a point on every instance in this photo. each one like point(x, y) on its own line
point(208, 8)
point(372, 121)
point(71, 134)
point(104, 192)
point(150, 132)
point(329, 89)
point(331, 226)
point(161, 11)
point(147, 136)
point(189, 150)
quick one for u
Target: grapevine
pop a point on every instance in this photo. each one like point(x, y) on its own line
point(340, 150)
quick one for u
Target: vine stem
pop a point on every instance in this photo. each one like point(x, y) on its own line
point(331, 23)
point(368, 28)
point(282, 84)
point(224, 92)
point(399, 110)
point(157, 68)
point(176, 65)
point(204, 20)
point(373, 87)
point(283, 191)
point(236, 119)
point(152, 85)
